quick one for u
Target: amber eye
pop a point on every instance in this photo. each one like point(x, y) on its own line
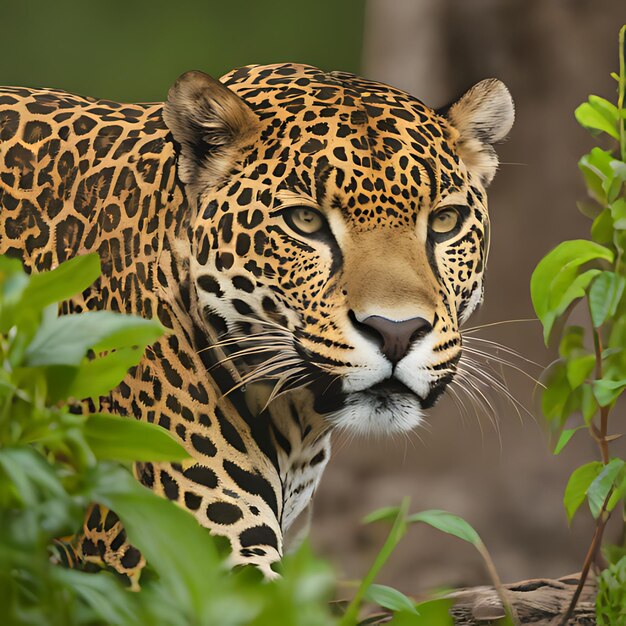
point(304, 220)
point(444, 221)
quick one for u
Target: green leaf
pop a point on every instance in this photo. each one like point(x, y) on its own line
point(619, 169)
point(579, 368)
point(189, 566)
point(66, 340)
point(12, 286)
point(608, 109)
point(126, 439)
point(68, 279)
point(607, 391)
point(618, 493)
point(593, 180)
point(590, 117)
point(564, 438)
point(600, 177)
point(589, 406)
point(555, 283)
point(430, 613)
point(577, 486)
point(447, 523)
point(602, 484)
point(390, 598)
point(386, 513)
point(568, 286)
point(554, 398)
point(96, 377)
point(111, 603)
point(611, 592)
point(602, 227)
point(575, 289)
point(589, 209)
point(572, 341)
point(30, 474)
point(618, 214)
point(605, 295)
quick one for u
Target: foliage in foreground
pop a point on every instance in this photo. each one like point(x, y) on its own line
point(55, 461)
point(586, 382)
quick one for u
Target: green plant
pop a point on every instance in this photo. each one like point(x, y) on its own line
point(611, 599)
point(590, 374)
point(434, 612)
point(54, 461)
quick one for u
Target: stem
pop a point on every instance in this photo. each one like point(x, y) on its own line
point(600, 434)
point(395, 534)
point(603, 443)
point(603, 518)
point(621, 92)
point(497, 583)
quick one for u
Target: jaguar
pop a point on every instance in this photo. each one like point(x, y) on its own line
point(312, 241)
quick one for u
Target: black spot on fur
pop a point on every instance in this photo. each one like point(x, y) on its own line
point(203, 445)
point(210, 285)
point(258, 535)
point(192, 501)
point(170, 487)
point(131, 557)
point(224, 512)
point(253, 483)
point(201, 475)
point(242, 283)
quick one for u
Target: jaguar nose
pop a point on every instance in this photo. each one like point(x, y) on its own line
point(395, 338)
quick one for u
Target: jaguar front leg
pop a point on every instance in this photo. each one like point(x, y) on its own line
point(230, 483)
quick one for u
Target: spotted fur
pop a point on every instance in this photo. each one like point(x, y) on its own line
point(190, 206)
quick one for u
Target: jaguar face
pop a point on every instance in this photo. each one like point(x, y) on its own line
point(340, 231)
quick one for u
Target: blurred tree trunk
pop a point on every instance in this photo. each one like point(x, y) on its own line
point(403, 46)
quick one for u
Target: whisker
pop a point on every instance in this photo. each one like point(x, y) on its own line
point(262, 322)
point(264, 370)
point(459, 382)
point(458, 403)
point(276, 392)
point(475, 384)
point(240, 354)
point(473, 329)
point(483, 402)
point(492, 357)
point(490, 380)
point(498, 346)
point(243, 339)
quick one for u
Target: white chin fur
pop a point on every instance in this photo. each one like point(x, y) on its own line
point(372, 413)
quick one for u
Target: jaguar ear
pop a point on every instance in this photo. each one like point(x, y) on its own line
point(209, 122)
point(482, 116)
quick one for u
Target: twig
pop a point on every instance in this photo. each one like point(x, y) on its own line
point(603, 518)
point(497, 583)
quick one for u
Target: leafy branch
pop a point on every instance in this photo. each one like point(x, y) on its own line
point(587, 380)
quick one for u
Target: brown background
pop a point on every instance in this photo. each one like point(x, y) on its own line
point(504, 481)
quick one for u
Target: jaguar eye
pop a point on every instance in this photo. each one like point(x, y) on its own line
point(444, 221)
point(304, 220)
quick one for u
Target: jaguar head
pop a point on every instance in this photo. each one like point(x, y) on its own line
point(340, 230)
